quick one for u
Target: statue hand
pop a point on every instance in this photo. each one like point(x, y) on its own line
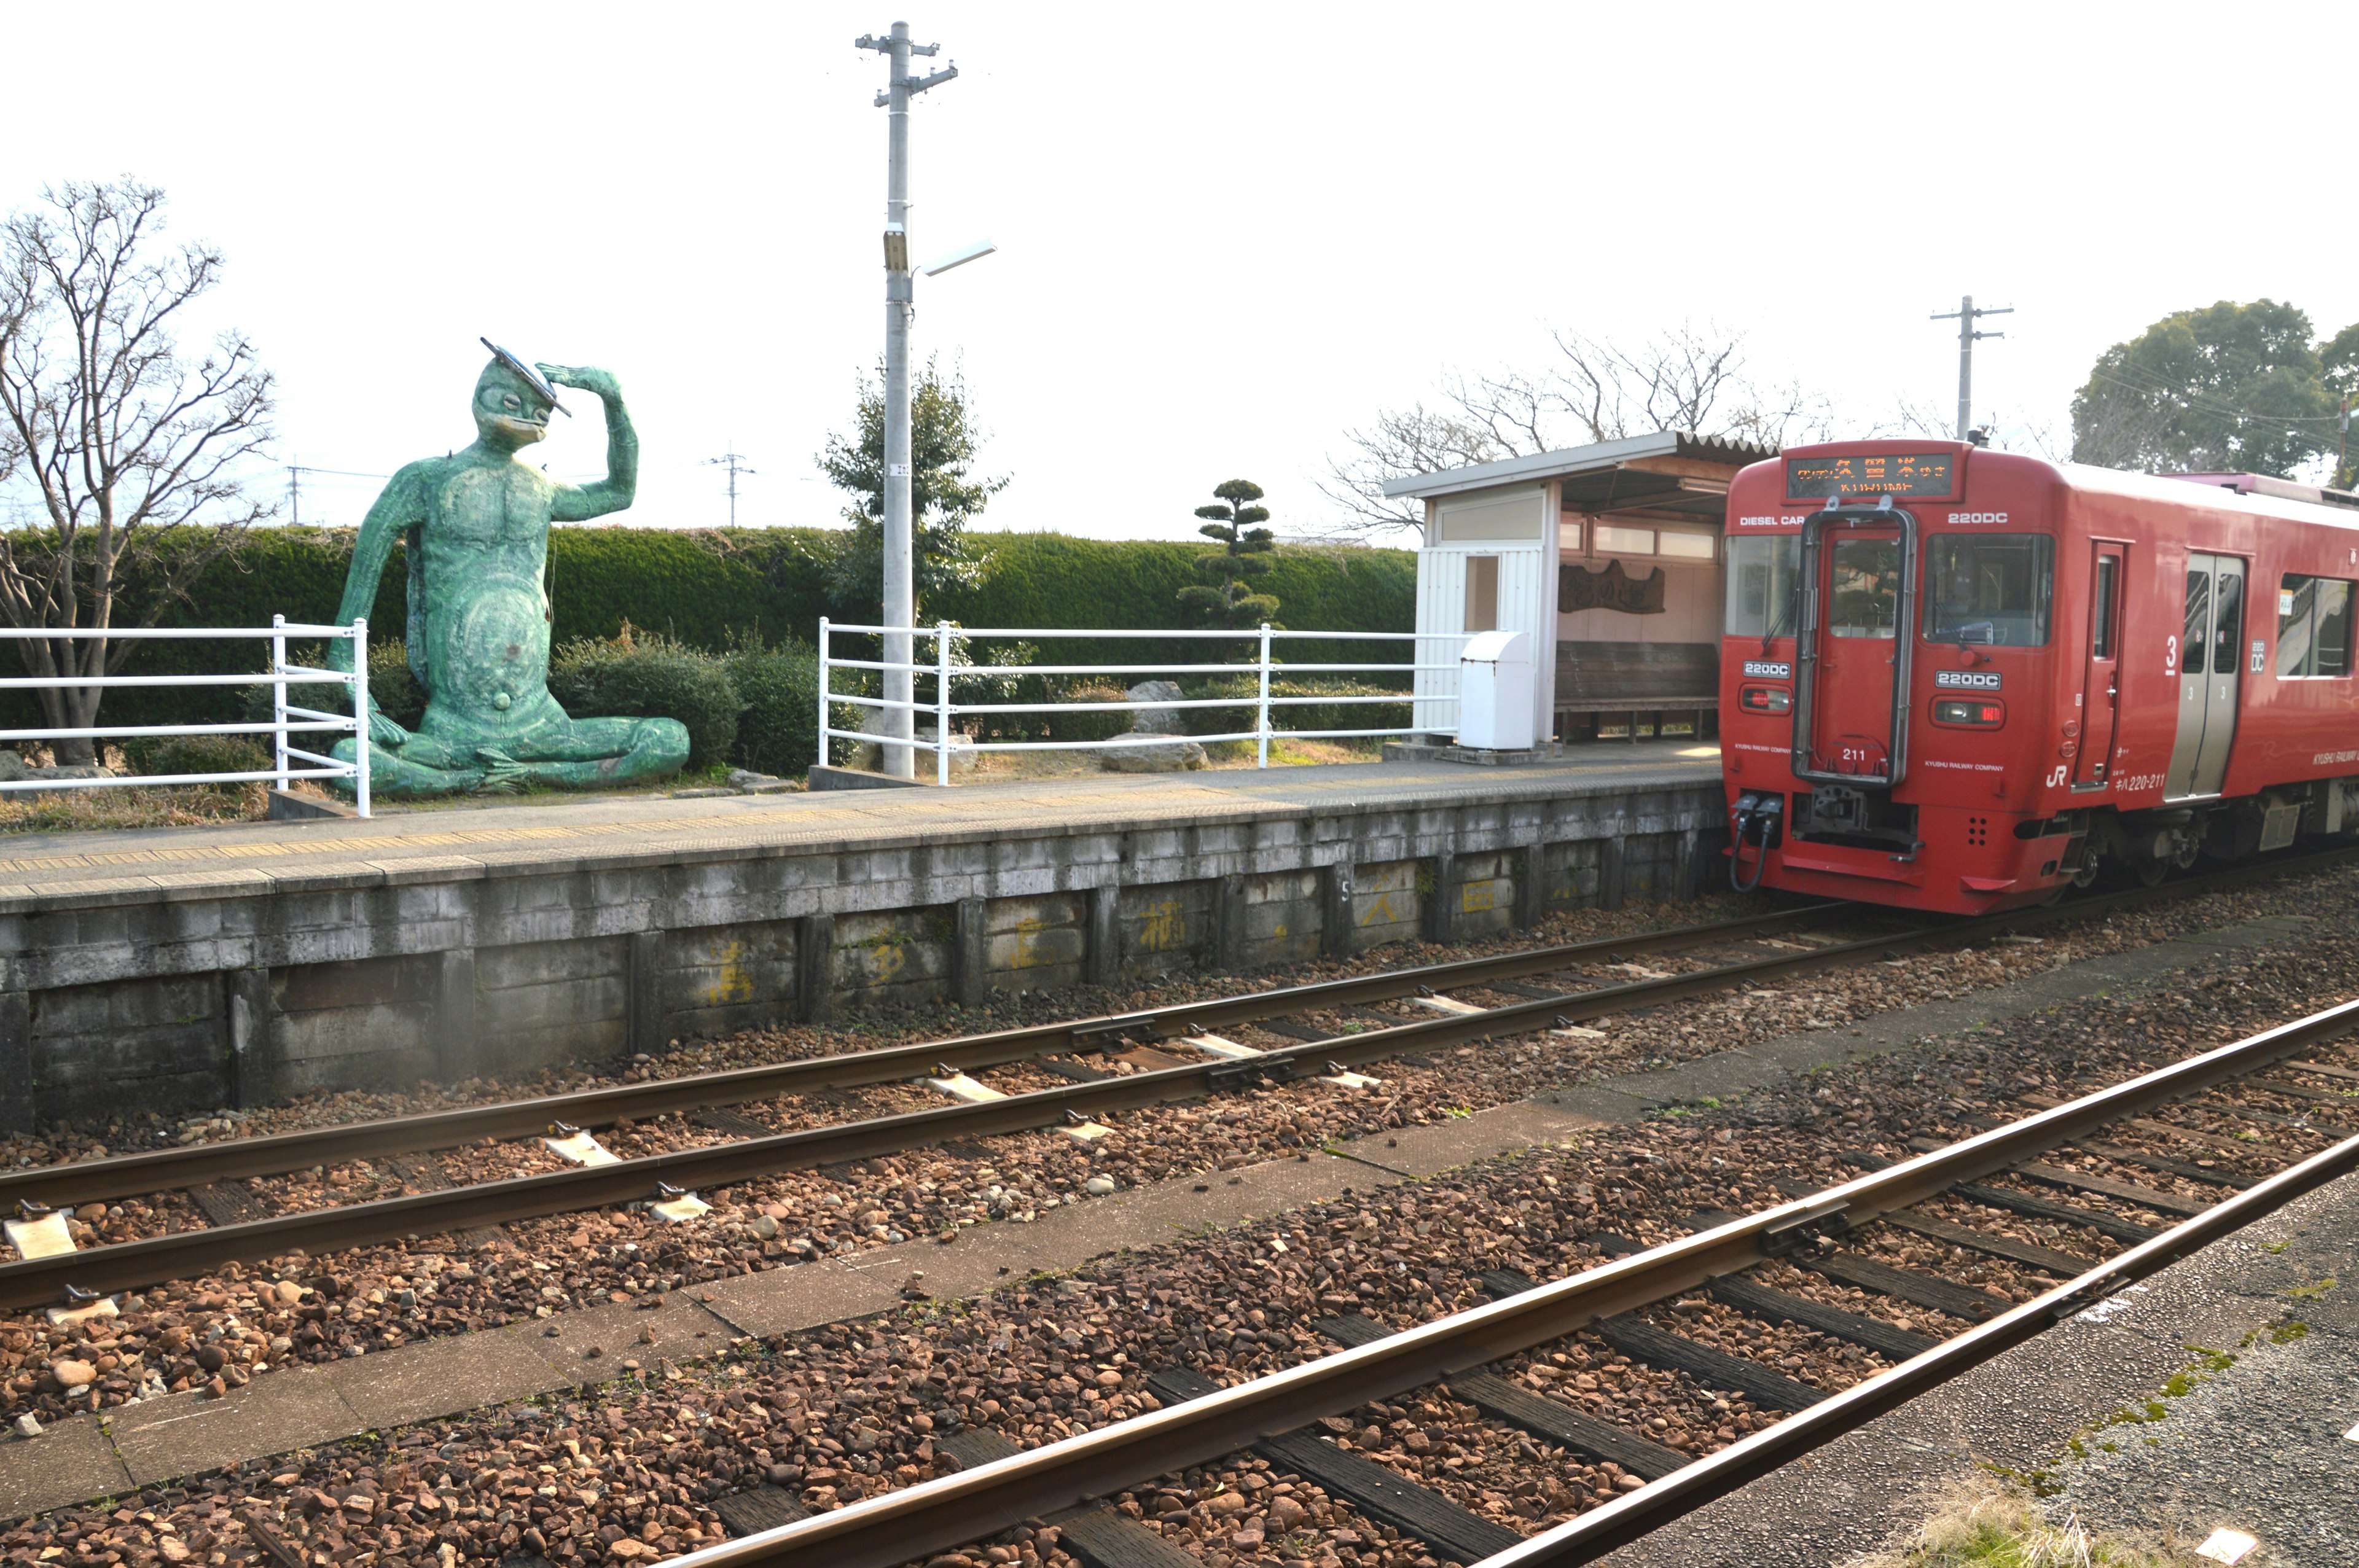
point(503, 774)
point(385, 732)
point(598, 383)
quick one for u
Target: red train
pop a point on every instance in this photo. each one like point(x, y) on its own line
point(1960, 679)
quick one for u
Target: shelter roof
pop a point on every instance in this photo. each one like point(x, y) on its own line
point(1667, 471)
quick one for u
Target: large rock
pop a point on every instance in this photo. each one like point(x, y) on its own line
point(1143, 753)
point(1157, 720)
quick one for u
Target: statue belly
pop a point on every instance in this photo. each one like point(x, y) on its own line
point(491, 648)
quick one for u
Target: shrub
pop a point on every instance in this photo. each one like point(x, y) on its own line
point(393, 686)
point(167, 754)
point(1087, 724)
point(1246, 688)
point(396, 690)
point(640, 677)
point(778, 731)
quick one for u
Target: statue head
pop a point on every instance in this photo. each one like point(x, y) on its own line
point(511, 412)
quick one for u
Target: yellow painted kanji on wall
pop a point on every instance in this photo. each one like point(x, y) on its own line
point(1164, 928)
point(735, 982)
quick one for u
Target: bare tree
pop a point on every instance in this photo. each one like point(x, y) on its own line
point(1691, 379)
point(108, 433)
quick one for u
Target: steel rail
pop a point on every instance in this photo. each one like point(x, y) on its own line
point(1626, 1518)
point(35, 1281)
point(175, 1255)
point(162, 1169)
point(131, 1175)
point(916, 1521)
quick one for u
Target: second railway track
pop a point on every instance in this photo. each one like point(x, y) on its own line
point(1277, 1415)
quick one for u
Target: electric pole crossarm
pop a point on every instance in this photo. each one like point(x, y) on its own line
point(1965, 315)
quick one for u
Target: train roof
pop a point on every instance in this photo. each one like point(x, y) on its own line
point(2252, 494)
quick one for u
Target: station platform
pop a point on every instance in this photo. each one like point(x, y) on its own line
point(184, 968)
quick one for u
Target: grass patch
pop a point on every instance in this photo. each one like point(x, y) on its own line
point(1993, 1523)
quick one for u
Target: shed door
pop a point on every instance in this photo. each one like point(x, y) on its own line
point(2211, 676)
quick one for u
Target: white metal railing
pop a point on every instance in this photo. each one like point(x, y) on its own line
point(286, 718)
point(945, 709)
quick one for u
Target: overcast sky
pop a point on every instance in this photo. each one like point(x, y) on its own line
point(1227, 232)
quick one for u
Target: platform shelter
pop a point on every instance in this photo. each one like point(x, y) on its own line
point(1609, 556)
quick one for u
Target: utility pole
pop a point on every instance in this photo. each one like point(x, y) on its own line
point(1964, 316)
point(735, 463)
point(900, 576)
point(295, 495)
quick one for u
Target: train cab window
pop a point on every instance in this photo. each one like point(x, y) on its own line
point(2313, 626)
point(1866, 582)
point(1761, 573)
point(1997, 589)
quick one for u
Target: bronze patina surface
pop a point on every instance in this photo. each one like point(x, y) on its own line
point(476, 528)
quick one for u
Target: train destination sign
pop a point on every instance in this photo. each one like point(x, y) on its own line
point(1870, 473)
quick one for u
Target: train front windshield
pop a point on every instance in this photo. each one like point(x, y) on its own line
point(1995, 588)
point(1762, 570)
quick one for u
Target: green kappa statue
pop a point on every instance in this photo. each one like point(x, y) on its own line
point(476, 525)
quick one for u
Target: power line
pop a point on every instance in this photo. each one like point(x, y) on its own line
point(735, 463)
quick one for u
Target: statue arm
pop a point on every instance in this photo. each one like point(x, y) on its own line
point(400, 506)
point(577, 502)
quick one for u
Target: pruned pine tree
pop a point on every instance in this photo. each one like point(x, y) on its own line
point(1226, 598)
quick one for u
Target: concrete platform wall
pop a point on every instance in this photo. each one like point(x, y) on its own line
point(446, 970)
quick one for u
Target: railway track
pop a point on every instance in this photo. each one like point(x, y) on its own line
point(1751, 951)
point(2111, 1195)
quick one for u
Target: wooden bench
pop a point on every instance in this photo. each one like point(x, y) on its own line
point(1600, 680)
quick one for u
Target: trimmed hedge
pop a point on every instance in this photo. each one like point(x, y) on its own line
point(724, 591)
point(636, 676)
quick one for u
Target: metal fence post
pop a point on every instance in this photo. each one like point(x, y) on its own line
point(360, 716)
point(1264, 695)
point(942, 702)
point(278, 695)
point(822, 756)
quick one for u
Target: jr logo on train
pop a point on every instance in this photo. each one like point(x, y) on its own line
point(1965, 680)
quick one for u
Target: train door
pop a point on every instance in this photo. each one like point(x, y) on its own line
point(2211, 671)
point(1858, 654)
point(2101, 686)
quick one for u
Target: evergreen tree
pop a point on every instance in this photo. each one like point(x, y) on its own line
point(2228, 388)
point(944, 495)
point(1225, 596)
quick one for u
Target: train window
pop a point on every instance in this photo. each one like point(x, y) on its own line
point(1761, 573)
point(1865, 579)
point(2101, 636)
point(2227, 625)
point(2198, 623)
point(2313, 626)
point(1990, 587)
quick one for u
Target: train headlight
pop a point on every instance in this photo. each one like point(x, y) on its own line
point(1766, 699)
point(1977, 712)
